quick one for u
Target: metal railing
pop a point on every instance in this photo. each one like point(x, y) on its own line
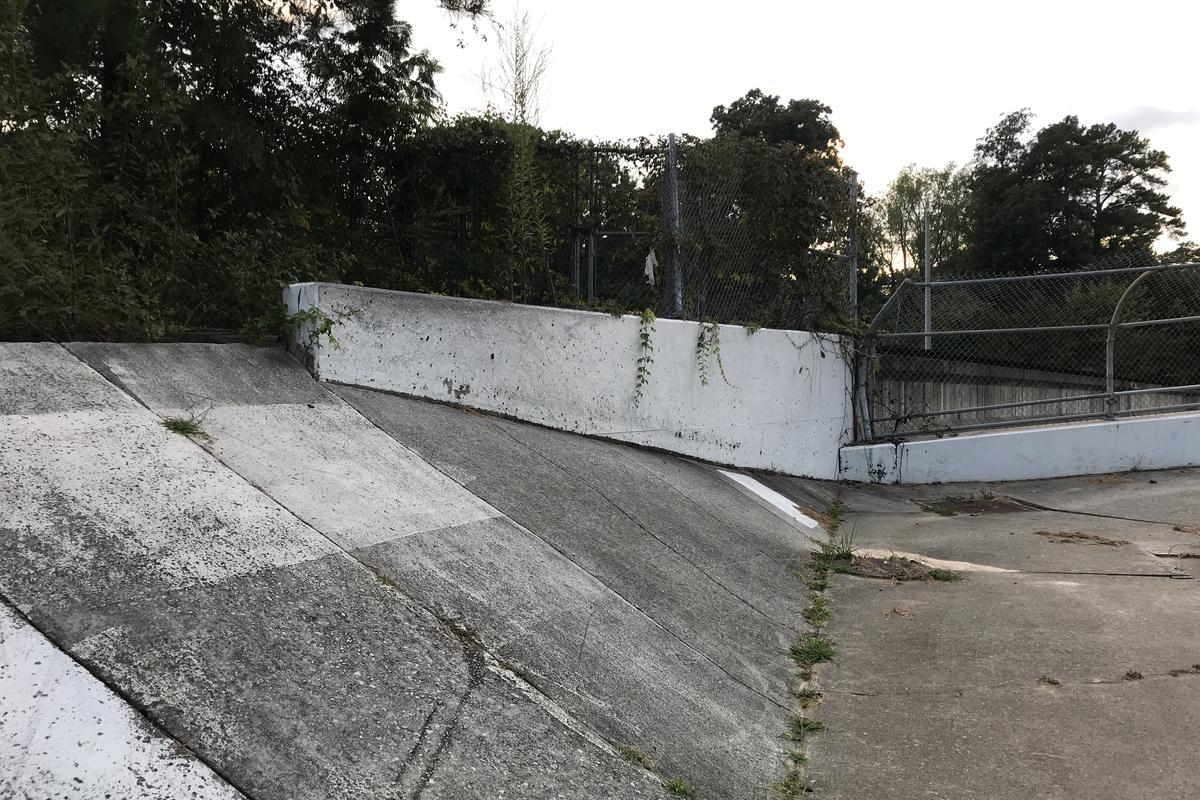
point(954, 355)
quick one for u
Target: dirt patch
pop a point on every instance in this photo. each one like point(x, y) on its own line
point(1112, 477)
point(894, 568)
point(1078, 537)
point(972, 505)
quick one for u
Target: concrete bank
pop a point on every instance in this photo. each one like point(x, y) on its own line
point(775, 400)
point(650, 598)
point(260, 643)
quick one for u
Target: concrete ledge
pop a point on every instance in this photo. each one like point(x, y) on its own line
point(1091, 448)
point(782, 403)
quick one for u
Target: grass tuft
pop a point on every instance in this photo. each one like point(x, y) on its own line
point(812, 650)
point(680, 788)
point(185, 426)
point(807, 696)
point(799, 727)
point(635, 756)
point(945, 575)
point(818, 611)
point(792, 787)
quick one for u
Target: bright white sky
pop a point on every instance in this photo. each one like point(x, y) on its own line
point(914, 82)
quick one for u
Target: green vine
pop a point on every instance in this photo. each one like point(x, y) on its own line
point(319, 324)
point(645, 354)
point(708, 343)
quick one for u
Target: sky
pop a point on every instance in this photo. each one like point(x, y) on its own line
point(909, 83)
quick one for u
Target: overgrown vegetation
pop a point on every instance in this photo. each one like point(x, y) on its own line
point(708, 345)
point(645, 355)
point(167, 167)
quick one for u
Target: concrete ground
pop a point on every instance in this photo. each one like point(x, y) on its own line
point(333, 592)
point(1072, 673)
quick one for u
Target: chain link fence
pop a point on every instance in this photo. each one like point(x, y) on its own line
point(677, 230)
point(961, 354)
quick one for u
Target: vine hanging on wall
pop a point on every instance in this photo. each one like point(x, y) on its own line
point(708, 343)
point(645, 354)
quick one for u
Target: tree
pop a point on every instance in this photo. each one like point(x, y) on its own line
point(804, 123)
point(1065, 196)
point(766, 215)
point(946, 191)
point(186, 158)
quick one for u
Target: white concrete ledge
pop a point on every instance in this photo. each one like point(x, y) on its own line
point(782, 404)
point(1158, 442)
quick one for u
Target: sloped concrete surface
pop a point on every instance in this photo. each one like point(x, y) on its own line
point(650, 598)
point(63, 734)
point(255, 640)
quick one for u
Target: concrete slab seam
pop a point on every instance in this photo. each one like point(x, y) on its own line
point(123, 696)
point(620, 596)
point(559, 714)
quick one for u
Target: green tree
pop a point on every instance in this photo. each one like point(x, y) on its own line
point(946, 191)
point(767, 215)
point(1065, 196)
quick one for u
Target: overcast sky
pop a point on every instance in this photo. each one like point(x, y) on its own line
point(914, 82)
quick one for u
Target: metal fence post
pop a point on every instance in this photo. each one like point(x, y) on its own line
point(591, 247)
point(928, 278)
point(852, 256)
point(1110, 342)
point(673, 286)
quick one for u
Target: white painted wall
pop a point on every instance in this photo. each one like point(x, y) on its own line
point(784, 407)
point(1157, 442)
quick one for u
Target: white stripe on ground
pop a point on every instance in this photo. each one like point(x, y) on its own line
point(771, 496)
point(63, 734)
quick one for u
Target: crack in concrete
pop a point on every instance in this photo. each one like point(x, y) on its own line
point(960, 691)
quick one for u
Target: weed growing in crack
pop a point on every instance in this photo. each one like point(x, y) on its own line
point(680, 788)
point(818, 611)
point(635, 756)
point(793, 785)
point(812, 650)
point(944, 575)
point(840, 546)
point(800, 727)
point(1133, 675)
point(184, 426)
point(836, 511)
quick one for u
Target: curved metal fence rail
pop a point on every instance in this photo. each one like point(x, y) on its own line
point(966, 354)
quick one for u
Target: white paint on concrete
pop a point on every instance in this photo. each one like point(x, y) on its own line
point(934, 563)
point(1155, 442)
point(784, 406)
point(772, 497)
point(63, 734)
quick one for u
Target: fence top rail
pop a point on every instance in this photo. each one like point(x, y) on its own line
point(1036, 276)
